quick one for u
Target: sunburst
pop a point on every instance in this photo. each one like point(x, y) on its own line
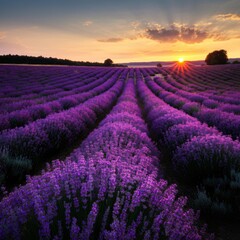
point(181, 60)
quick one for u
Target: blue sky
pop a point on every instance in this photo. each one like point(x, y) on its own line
point(124, 30)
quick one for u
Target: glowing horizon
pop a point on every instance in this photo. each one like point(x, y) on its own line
point(133, 31)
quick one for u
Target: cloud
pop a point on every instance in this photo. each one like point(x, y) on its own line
point(111, 40)
point(163, 35)
point(227, 17)
point(87, 23)
point(174, 32)
point(177, 32)
point(135, 24)
point(192, 35)
point(217, 36)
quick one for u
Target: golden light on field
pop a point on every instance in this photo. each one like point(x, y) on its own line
point(181, 60)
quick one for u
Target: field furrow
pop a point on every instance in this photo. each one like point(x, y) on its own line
point(24, 148)
point(119, 153)
point(226, 122)
point(109, 185)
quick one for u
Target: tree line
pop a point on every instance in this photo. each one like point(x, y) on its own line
point(23, 59)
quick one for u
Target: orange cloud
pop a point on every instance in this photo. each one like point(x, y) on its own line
point(111, 40)
point(227, 17)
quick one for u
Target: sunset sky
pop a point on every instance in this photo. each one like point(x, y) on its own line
point(133, 30)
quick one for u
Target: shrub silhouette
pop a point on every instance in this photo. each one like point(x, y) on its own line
point(236, 62)
point(217, 57)
point(108, 62)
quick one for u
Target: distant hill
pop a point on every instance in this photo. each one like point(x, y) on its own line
point(20, 59)
point(154, 63)
point(168, 63)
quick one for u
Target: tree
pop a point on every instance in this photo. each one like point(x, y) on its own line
point(217, 57)
point(159, 65)
point(108, 62)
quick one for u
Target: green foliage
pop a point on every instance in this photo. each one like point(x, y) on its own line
point(207, 204)
point(235, 180)
point(13, 168)
point(219, 196)
point(236, 62)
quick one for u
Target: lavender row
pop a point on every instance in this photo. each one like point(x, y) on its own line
point(14, 79)
point(200, 99)
point(40, 79)
point(210, 85)
point(24, 147)
point(198, 154)
point(228, 123)
point(163, 118)
point(220, 102)
point(226, 76)
point(54, 93)
point(107, 189)
point(25, 116)
point(28, 103)
point(37, 94)
point(188, 79)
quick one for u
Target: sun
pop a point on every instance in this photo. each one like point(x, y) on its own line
point(181, 60)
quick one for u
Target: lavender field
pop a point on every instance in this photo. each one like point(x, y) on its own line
point(119, 153)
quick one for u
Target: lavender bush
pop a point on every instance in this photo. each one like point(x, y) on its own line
point(209, 155)
point(45, 137)
point(108, 188)
point(112, 186)
point(177, 133)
